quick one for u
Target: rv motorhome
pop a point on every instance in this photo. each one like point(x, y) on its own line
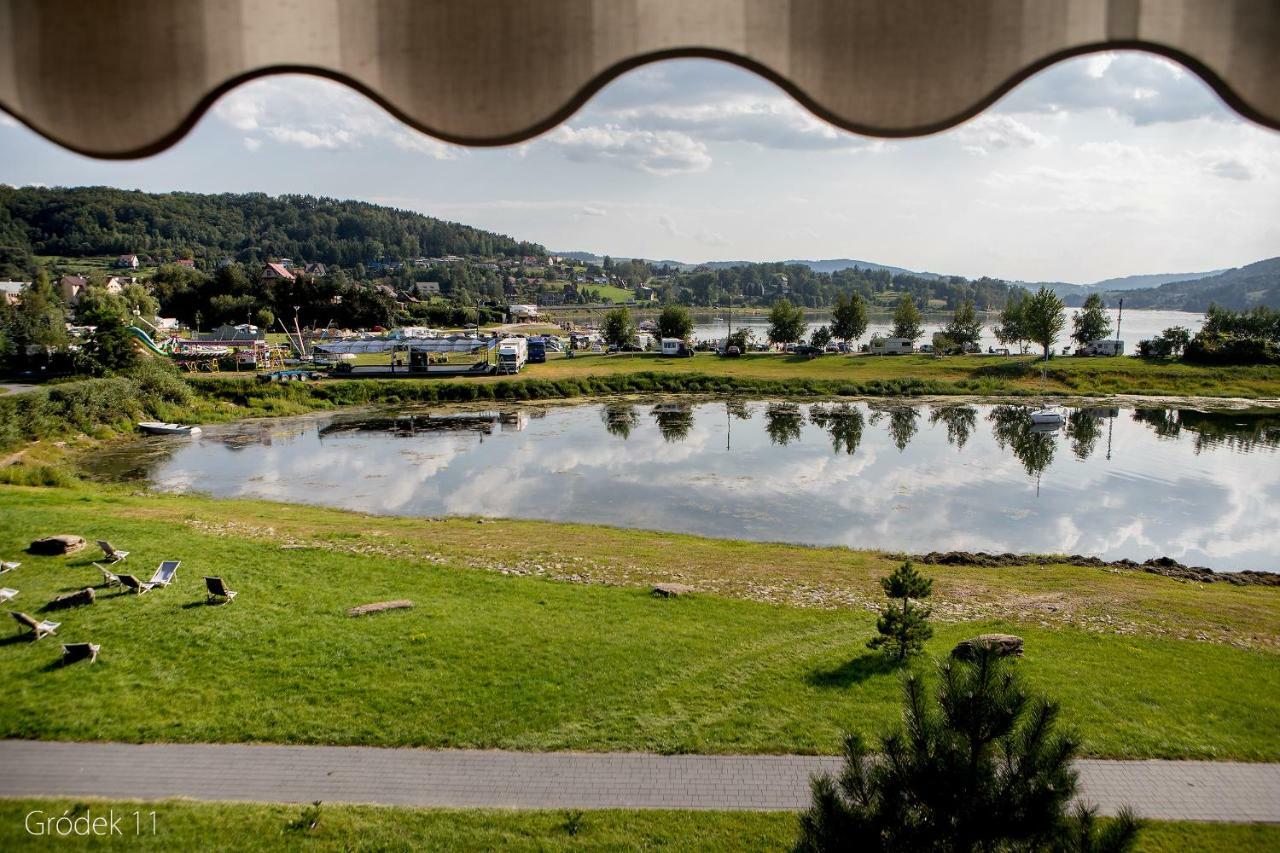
point(512, 354)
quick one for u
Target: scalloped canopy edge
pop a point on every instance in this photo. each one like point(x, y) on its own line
point(498, 72)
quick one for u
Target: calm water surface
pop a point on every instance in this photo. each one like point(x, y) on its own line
point(1202, 488)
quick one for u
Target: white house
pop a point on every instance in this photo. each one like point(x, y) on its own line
point(12, 291)
point(523, 313)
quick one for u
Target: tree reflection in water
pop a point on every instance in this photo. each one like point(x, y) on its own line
point(1034, 446)
point(960, 420)
point(1084, 427)
point(1240, 431)
point(902, 423)
point(620, 419)
point(783, 422)
point(674, 420)
point(842, 422)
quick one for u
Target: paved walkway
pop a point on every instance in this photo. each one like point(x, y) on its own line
point(1188, 790)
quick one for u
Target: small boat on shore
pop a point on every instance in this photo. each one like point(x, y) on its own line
point(158, 428)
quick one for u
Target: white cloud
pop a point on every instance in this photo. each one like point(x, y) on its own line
point(7, 120)
point(316, 114)
point(252, 143)
point(1143, 89)
point(995, 132)
point(703, 236)
point(660, 153)
point(591, 210)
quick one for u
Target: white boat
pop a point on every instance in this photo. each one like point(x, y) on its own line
point(157, 428)
point(1046, 416)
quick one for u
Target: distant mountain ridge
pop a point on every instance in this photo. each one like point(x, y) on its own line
point(1062, 288)
point(1239, 288)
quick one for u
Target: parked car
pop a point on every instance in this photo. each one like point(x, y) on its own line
point(808, 350)
point(732, 352)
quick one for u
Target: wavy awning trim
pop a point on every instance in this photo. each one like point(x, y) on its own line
point(127, 78)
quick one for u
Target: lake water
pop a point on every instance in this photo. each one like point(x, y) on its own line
point(1135, 326)
point(1202, 488)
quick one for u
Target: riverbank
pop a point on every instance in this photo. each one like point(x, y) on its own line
point(539, 636)
point(105, 406)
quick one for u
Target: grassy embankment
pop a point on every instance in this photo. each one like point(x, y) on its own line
point(530, 635)
point(183, 825)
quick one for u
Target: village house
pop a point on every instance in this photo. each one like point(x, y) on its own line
point(127, 262)
point(551, 298)
point(189, 263)
point(315, 269)
point(69, 287)
point(523, 313)
point(12, 291)
point(275, 271)
point(427, 288)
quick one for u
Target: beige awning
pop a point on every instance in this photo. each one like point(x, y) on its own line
point(125, 78)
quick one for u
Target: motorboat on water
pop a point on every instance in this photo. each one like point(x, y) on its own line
point(158, 428)
point(1047, 416)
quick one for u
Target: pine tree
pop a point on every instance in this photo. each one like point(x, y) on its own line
point(979, 766)
point(903, 627)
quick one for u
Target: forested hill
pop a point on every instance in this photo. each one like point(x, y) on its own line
point(250, 227)
point(1237, 289)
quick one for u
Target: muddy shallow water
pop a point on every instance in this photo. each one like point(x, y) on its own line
point(1200, 487)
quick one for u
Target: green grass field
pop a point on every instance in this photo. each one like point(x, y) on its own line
point(970, 374)
point(184, 825)
point(497, 654)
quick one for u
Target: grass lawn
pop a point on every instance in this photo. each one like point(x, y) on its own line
point(493, 655)
point(251, 826)
point(973, 374)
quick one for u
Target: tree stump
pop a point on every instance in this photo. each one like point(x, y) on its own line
point(79, 598)
point(54, 546)
point(1004, 645)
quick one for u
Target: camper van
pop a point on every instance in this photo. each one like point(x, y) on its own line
point(512, 354)
point(674, 347)
point(891, 346)
point(1107, 347)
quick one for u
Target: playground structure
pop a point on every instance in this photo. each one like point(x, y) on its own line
point(205, 356)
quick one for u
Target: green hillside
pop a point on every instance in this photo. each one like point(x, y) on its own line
point(250, 227)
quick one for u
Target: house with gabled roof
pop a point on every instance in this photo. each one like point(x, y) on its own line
point(275, 271)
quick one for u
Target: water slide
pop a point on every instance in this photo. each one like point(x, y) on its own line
point(146, 341)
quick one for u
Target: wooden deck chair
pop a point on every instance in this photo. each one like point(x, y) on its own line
point(72, 652)
point(112, 554)
point(7, 594)
point(217, 589)
point(41, 628)
point(130, 582)
point(109, 578)
point(165, 574)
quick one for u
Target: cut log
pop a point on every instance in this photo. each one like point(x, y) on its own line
point(671, 590)
point(379, 606)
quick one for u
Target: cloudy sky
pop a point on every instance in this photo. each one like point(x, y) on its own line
point(1102, 166)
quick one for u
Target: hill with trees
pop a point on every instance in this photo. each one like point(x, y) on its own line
point(1238, 289)
point(249, 227)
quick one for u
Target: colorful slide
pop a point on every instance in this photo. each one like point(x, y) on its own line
point(146, 341)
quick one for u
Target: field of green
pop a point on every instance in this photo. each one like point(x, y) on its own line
point(184, 825)
point(538, 636)
point(967, 374)
point(92, 264)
